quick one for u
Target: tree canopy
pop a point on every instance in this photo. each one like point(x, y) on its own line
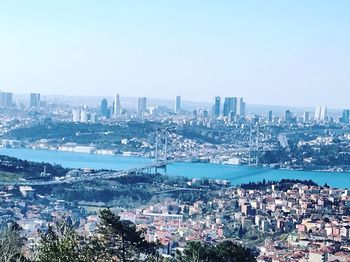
point(114, 240)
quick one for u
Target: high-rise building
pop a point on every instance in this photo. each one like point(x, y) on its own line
point(321, 114)
point(104, 108)
point(317, 114)
point(117, 107)
point(84, 116)
point(269, 117)
point(324, 114)
point(287, 116)
point(34, 100)
point(230, 106)
point(76, 115)
point(232, 117)
point(226, 106)
point(345, 117)
point(177, 104)
point(240, 108)
point(6, 99)
point(217, 106)
point(141, 105)
point(93, 118)
point(306, 116)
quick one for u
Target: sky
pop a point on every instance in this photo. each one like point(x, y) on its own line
point(291, 52)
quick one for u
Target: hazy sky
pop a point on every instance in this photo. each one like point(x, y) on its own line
point(293, 52)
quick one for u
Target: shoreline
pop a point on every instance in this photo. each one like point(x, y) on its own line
point(135, 155)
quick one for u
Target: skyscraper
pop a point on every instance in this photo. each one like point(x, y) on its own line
point(76, 115)
point(306, 116)
point(141, 105)
point(269, 117)
point(217, 106)
point(117, 106)
point(345, 117)
point(240, 107)
point(177, 104)
point(34, 100)
point(6, 99)
point(84, 116)
point(287, 116)
point(321, 114)
point(317, 114)
point(230, 105)
point(93, 118)
point(104, 108)
point(324, 114)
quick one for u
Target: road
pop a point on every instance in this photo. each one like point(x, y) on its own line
point(86, 177)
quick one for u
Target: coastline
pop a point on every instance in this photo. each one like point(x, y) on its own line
point(135, 155)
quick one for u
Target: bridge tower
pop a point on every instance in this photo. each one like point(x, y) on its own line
point(250, 144)
point(161, 134)
point(257, 145)
point(157, 144)
point(254, 146)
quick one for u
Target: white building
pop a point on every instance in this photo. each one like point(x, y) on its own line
point(84, 116)
point(321, 114)
point(76, 115)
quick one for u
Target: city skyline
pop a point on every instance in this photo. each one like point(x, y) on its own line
point(270, 53)
point(175, 131)
point(208, 103)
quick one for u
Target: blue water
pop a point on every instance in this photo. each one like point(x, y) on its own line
point(76, 160)
point(235, 174)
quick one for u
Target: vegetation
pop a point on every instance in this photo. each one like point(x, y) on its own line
point(115, 240)
point(282, 185)
point(11, 244)
point(9, 177)
point(226, 251)
point(120, 239)
point(127, 191)
point(62, 244)
point(30, 169)
point(106, 136)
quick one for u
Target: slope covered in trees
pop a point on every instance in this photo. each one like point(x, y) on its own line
point(114, 240)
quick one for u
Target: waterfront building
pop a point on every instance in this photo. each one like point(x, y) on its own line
point(177, 104)
point(141, 105)
point(34, 100)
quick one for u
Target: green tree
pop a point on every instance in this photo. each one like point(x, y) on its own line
point(120, 240)
point(226, 251)
point(11, 244)
point(62, 244)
